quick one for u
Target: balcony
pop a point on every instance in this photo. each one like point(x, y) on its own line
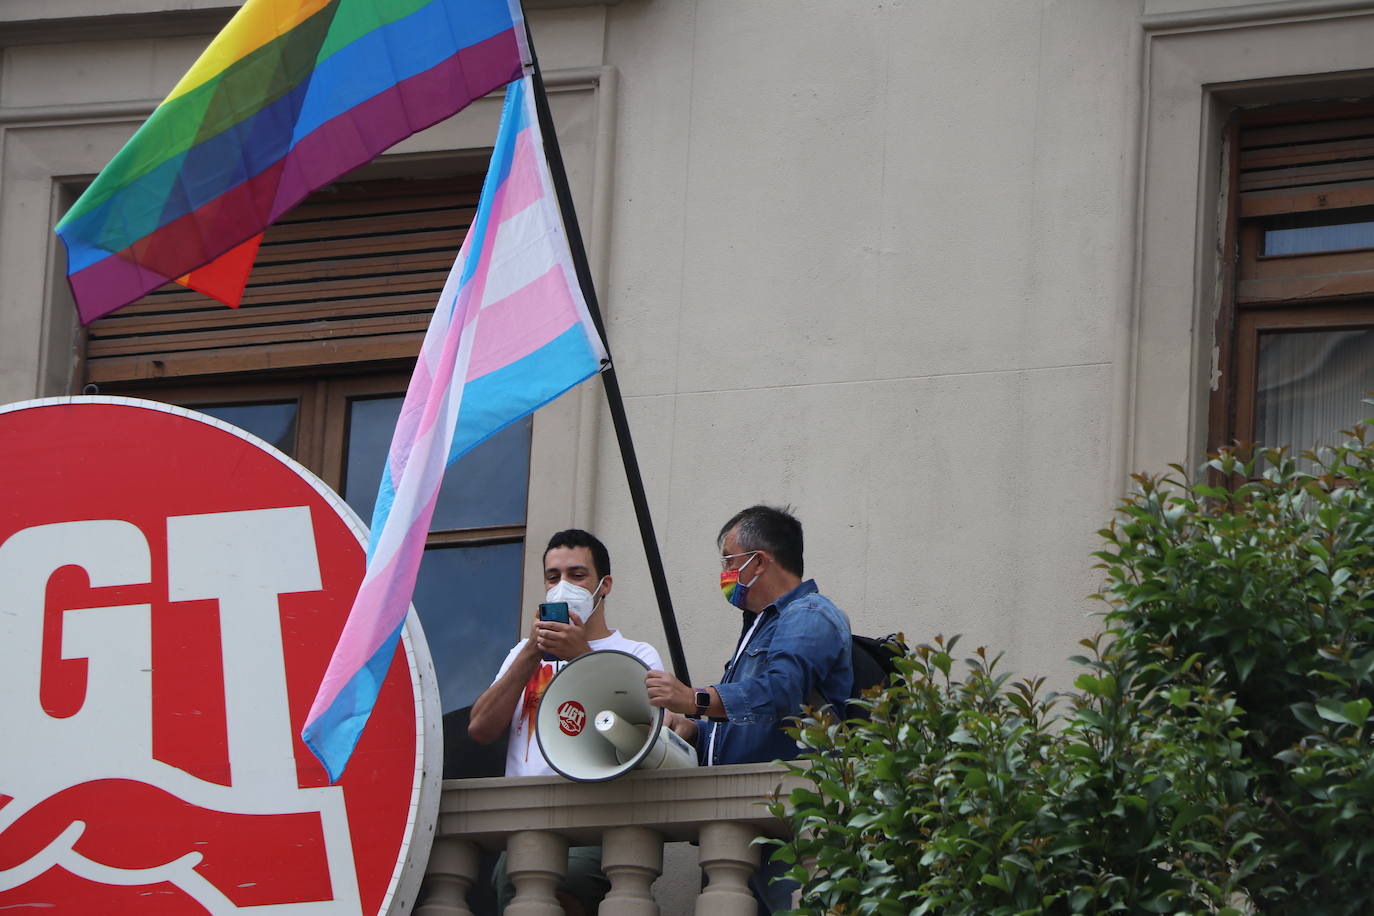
point(535, 819)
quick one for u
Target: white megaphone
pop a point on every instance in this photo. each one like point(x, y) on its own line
point(595, 721)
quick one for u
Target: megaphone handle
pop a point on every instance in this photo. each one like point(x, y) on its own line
point(626, 737)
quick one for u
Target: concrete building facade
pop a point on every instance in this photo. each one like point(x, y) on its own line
point(938, 274)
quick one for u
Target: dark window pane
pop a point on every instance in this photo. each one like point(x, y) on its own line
point(485, 487)
point(1311, 385)
point(273, 423)
point(468, 599)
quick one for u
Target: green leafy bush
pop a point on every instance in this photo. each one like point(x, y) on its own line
point(1214, 757)
point(1270, 584)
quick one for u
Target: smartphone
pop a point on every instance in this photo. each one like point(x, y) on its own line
point(557, 611)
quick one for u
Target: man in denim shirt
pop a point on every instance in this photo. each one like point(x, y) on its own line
point(794, 649)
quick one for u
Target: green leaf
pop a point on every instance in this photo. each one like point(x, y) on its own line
point(1335, 711)
point(1306, 713)
point(1189, 814)
point(1245, 664)
point(1089, 684)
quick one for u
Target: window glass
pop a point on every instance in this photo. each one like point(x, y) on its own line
point(468, 599)
point(1312, 384)
point(485, 488)
point(1312, 239)
point(273, 423)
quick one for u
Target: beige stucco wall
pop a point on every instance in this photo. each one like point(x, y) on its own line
point(937, 273)
point(877, 280)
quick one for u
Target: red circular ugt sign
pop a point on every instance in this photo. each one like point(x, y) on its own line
point(571, 718)
point(172, 592)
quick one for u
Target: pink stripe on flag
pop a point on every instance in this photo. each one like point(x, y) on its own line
point(407, 424)
point(522, 184)
point(388, 589)
point(477, 285)
point(523, 322)
point(422, 406)
point(505, 203)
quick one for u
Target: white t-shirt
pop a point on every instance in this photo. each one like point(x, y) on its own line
point(523, 757)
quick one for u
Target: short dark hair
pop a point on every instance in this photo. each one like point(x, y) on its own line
point(576, 537)
point(767, 528)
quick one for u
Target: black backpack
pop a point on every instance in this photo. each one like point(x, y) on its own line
point(875, 660)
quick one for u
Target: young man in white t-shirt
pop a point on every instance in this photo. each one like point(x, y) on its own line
point(577, 570)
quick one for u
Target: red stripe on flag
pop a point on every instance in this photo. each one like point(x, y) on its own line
point(225, 277)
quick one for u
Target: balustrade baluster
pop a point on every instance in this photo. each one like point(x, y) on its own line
point(632, 857)
point(729, 859)
point(452, 870)
point(536, 861)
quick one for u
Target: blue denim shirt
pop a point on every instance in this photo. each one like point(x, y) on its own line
point(801, 644)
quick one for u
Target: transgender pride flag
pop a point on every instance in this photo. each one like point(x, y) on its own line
point(511, 332)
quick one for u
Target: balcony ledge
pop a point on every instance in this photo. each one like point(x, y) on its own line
point(675, 803)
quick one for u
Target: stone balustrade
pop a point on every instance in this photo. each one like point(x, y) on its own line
point(535, 819)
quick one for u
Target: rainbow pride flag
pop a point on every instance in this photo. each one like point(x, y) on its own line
point(511, 332)
point(288, 97)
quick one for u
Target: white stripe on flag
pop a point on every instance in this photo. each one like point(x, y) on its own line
point(522, 252)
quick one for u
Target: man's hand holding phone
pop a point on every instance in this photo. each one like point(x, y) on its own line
point(556, 639)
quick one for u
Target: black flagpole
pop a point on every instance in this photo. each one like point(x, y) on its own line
point(608, 377)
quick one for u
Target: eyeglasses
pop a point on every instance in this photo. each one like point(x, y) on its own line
point(725, 560)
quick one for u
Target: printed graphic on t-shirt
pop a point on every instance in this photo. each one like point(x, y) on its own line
point(529, 706)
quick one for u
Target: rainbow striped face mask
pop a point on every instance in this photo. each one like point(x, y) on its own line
point(734, 590)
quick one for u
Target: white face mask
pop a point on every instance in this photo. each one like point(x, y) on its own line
point(578, 599)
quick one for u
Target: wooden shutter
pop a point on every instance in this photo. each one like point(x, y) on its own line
point(1312, 165)
point(351, 275)
point(1290, 166)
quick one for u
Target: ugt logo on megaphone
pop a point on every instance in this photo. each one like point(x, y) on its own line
point(571, 718)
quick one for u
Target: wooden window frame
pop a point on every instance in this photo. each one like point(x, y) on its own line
point(1316, 291)
point(323, 406)
point(336, 401)
point(1252, 324)
point(309, 449)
